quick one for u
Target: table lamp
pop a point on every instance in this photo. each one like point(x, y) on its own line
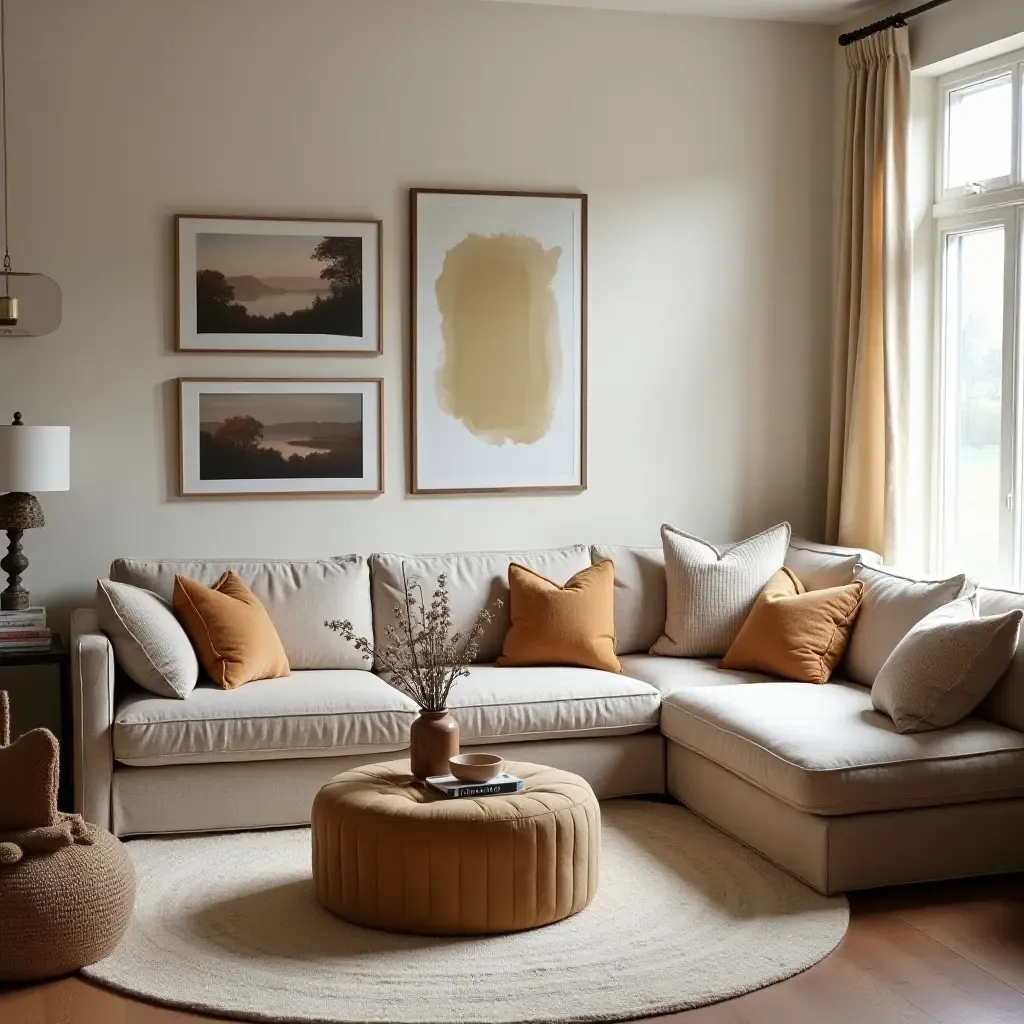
point(31, 459)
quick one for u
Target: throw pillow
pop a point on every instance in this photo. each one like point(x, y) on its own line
point(795, 633)
point(891, 607)
point(148, 640)
point(818, 568)
point(570, 625)
point(710, 592)
point(945, 666)
point(231, 630)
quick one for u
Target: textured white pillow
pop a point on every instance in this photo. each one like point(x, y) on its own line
point(149, 642)
point(945, 666)
point(891, 607)
point(818, 568)
point(710, 592)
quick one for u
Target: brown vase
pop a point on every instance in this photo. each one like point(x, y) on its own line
point(433, 738)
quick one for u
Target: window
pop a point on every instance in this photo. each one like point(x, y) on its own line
point(979, 215)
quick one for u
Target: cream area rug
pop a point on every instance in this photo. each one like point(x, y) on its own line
point(683, 916)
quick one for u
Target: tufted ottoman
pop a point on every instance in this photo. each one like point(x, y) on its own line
point(391, 855)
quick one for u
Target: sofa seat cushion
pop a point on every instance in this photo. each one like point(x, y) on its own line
point(495, 703)
point(825, 750)
point(668, 674)
point(317, 713)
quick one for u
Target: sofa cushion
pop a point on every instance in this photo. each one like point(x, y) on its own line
point(825, 750)
point(495, 703)
point(317, 713)
point(1005, 704)
point(298, 596)
point(668, 674)
point(475, 581)
point(823, 566)
point(639, 594)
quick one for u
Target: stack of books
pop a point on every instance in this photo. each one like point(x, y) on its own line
point(24, 631)
point(448, 785)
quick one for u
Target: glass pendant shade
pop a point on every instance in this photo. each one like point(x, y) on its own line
point(30, 305)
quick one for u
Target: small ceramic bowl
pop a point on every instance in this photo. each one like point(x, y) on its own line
point(475, 767)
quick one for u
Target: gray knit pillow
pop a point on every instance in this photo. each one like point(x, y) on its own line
point(945, 666)
point(710, 592)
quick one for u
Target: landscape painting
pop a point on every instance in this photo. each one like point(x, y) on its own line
point(286, 436)
point(273, 285)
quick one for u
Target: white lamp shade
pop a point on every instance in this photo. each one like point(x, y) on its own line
point(35, 459)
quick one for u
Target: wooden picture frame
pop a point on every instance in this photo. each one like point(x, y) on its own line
point(350, 452)
point(507, 437)
point(331, 309)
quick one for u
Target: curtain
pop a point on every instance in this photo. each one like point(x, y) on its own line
point(869, 432)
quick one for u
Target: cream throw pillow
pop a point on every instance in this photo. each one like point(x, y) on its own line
point(891, 607)
point(148, 640)
point(945, 666)
point(711, 591)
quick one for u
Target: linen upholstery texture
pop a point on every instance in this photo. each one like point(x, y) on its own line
point(316, 713)
point(573, 624)
point(891, 606)
point(825, 750)
point(475, 581)
point(1005, 704)
point(233, 634)
point(853, 851)
point(869, 438)
point(710, 592)
point(945, 666)
point(793, 633)
point(819, 566)
point(639, 594)
point(299, 596)
point(496, 865)
point(555, 702)
point(669, 674)
point(149, 642)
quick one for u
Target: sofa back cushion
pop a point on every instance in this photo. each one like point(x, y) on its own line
point(1005, 704)
point(639, 595)
point(298, 596)
point(475, 581)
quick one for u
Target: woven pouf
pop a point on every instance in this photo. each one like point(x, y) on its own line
point(389, 854)
point(63, 910)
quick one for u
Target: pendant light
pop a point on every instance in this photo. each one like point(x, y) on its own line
point(30, 304)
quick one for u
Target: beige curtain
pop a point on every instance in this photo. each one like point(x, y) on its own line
point(868, 442)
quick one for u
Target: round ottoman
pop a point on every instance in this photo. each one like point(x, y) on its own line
point(392, 855)
point(63, 910)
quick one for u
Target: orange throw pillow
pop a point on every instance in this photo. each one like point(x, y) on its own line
point(793, 633)
point(230, 630)
point(570, 625)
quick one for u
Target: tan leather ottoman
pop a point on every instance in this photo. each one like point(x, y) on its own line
point(390, 855)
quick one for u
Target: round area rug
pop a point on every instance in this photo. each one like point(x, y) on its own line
point(683, 916)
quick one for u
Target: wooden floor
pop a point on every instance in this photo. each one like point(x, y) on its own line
point(938, 954)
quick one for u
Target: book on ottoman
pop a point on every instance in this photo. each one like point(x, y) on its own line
point(448, 785)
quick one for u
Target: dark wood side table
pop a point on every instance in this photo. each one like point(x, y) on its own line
point(58, 655)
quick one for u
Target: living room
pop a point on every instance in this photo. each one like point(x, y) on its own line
point(689, 330)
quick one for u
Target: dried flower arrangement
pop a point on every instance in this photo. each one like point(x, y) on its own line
point(422, 657)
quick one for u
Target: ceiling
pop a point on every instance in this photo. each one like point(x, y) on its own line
point(827, 11)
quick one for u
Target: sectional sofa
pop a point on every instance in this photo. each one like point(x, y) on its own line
point(811, 776)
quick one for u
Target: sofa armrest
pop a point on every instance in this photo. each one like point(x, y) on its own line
point(92, 684)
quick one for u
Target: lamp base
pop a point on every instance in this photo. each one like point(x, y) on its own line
point(14, 563)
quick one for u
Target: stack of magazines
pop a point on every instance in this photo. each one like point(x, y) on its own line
point(24, 631)
point(448, 785)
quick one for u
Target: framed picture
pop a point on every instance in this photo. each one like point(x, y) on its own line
point(281, 437)
point(269, 285)
point(499, 341)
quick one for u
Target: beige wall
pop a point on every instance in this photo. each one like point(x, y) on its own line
point(704, 146)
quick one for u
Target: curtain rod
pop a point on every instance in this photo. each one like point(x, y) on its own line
point(898, 20)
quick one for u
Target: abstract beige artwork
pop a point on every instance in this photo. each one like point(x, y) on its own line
point(499, 341)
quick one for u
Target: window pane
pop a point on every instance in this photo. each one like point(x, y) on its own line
point(974, 499)
point(980, 132)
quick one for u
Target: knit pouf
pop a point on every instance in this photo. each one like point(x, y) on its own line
point(63, 910)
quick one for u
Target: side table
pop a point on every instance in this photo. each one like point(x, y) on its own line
point(57, 654)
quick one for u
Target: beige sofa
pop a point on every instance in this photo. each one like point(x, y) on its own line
point(811, 776)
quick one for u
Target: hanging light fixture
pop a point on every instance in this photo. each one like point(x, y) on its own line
point(30, 304)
